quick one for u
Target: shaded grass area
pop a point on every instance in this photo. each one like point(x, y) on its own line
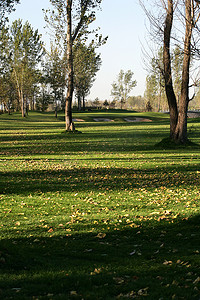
point(148, 261)
point(101, 215)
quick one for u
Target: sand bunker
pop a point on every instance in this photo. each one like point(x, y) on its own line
point(126, 119)
point(78, 120)
point(193, 114)
point(137, 120)
point(102, 120)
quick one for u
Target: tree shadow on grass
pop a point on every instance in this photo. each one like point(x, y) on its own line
point(115, 138)
point(77, 179)
point(155, 259)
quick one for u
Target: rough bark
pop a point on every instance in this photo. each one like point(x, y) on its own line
point(178, 117)
point(20, 94)
point(181, 128)
point(22, 104)
point(83, 102)
point(168, 70)
point(70, 86)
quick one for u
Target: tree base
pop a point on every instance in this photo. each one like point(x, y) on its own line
point(73, 131)
point(168, 143)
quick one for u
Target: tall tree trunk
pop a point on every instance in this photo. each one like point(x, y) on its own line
point(22, 104)
point(20, 94)
point(79, 102)
point(56, 106)
point(83, 102)
point(173, 110)
point(178, 116)
point(27, 106)
point(181, 129)
point(70, 87)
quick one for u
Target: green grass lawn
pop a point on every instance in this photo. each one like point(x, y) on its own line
point(100, 215)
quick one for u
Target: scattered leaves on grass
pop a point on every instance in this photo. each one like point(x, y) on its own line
point(196, 281)
point(101, 235)
point(96, 271)
point(143, 292)
point(167, 262)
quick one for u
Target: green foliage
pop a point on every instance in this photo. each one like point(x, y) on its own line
point(54, 74)
point(70, 22)
point(121, 89)
point(86, 64)
point(6, 6)
point(148, 106)
point(21, 54)
point(44, 98)
point(155, 91)
point(136, 103)
point(100, 215)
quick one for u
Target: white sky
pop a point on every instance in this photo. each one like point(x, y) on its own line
point(123, 21)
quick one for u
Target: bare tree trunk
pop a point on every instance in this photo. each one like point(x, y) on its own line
point(22, 104)
point(83, 102)
point(79, 102)
point(159, 96)
point(70, 87)
point(181, 129)
point(56, 106)
point(178, 117)
point(20, 94)
point(173, 110)
point(27, 106)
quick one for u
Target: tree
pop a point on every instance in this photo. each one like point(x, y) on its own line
point(55, 74)
point(178, 118)
point(121, 89)
point(148, 106)
point(27, 50)
point(185, 16)
point(151, 89)
point(70, 20)
point(44, 98)
point(86, 65)
point(106, 104)
point(155, 82)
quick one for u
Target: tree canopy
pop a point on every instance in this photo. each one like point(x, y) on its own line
point(121, 89)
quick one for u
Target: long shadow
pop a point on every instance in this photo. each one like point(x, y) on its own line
point(89, 142)
point(107, 141)
point(56, 124)
point(153, 261)
point(66, 138)
point(170, 155)
point(85, 179)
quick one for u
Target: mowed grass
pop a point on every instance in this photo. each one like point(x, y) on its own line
point(100, 215)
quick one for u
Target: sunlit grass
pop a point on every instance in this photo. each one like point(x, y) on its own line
point(98, 215)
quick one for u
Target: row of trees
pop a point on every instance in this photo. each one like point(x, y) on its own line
point(21, 52)
point(31, 76)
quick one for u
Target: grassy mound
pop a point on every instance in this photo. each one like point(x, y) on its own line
point(168, 143)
